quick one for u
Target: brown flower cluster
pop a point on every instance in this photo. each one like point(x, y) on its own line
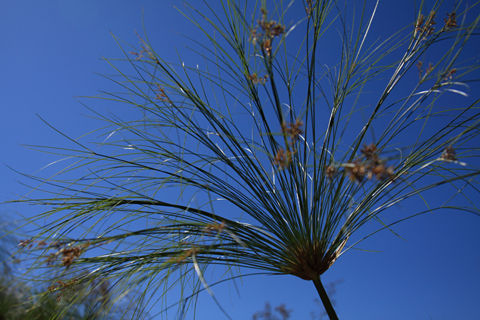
point(214, 227)
point(30, 243)
point(427, 71)
point(283, 159)
point(451, 22)
point(331, 171)
point(369, 165)
point(145, 49)
point(63, 250)
point(425, 25)
point(256, 79)
point(270, 30)
point(161, 95)
point(293, 130)
point(185, 255)
point(61, 286)
point(309, 8)
point(68, 254)
point(449, 154)
point(450, 74)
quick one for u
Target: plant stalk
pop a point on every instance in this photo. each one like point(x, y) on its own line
point(325, 300)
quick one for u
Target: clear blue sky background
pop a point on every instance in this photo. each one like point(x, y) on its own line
point(50, 53)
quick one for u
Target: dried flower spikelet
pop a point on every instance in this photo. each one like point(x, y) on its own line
point(293, 130)
point(425, 26)
point(185, 255)
point(369, 165)
point(256, 79)
point(369, 151)
point(276, 29)
point(41, 244)
point(282, 159)
point(331, 171)
point(419, 23)
point(161, 95)
point(138, 56)
point(451, 22)
point(214, 227)
point(69, 255)
point(61, 286)
point(31, 243)
point(267, 46)
point(357, 172)
point(254, 35)
point(381, 172)
point(450, 74)
point(270, 30)
point(309, 8)
point(145, 49)
point(427, 71)
point(449, 154)
point(429, 24)
point(24, 243)
point(420, 71)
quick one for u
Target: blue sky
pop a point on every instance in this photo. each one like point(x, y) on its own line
point(52, 52)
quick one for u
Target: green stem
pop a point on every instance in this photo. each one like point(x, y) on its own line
point(325, 300)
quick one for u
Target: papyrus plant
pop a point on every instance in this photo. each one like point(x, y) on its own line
point(258, 155)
